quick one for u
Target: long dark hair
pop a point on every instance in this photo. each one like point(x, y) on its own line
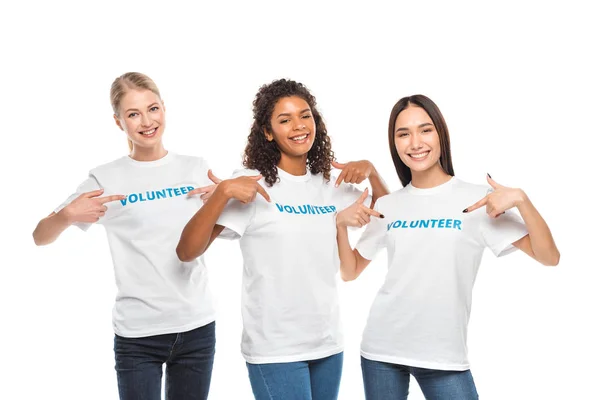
point(440, 126)
point(262, 155)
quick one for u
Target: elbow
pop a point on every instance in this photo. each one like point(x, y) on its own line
point(346, 277)
point(38, 240)
point(182, 254)
point(554, 260)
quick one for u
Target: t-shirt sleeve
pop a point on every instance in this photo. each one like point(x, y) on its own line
point(500, 233)
point(373, 238)
point(88, 185)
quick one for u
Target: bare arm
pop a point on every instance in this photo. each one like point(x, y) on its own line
point(378, 186)
point(88, 208)
point(50, 228)
point(539, 243)
point(352, 264)
point(201, 230)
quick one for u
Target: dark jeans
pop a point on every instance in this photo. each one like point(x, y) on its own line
point(385, 381)
point(189, 357)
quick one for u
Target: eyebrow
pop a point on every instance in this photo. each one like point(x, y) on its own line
point(288, 114)
point(135, 109)
point(420, 126)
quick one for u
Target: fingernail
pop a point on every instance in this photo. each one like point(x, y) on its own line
point(465, 210)
point(381, 216)
point(490, 176)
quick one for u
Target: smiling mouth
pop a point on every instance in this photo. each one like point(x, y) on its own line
point(419, 156)
point(149, 132)
point(299, 138)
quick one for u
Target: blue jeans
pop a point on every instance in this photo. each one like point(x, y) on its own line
point(189, 357)
point(385, 381)
point(301, 380)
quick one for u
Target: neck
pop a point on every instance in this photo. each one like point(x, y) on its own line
point(148, 154)
point(430, 178)
point(293, 165)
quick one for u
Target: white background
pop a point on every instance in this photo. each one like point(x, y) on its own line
point(517, 83)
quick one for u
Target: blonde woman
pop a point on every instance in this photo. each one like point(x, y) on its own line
point(163, 312)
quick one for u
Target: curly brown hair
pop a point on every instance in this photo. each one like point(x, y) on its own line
point(262, 155)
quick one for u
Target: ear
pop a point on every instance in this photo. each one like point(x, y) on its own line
point(268, 135)
point(163, 104)
point(118, 122)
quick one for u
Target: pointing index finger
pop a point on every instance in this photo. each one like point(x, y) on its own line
point(108, 199)
point(477, 205)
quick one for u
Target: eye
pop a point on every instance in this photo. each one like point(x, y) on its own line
point(307, 116)
point(283, 121)
point(428, 130)
point(155, 108)
point(401, 134)
point(133, 114)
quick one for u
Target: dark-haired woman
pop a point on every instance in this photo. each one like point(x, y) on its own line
point(418, 321)
point(292, 340)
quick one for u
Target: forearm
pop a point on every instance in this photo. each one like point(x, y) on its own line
point(197, 234)
point(347, 258)
point(378, 186)
point(542, 243)
point(50, 228)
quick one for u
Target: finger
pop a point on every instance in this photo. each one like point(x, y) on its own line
point(340, 178)
point(477, 205)
point(493, 183)
point(103, 209)
point(203, 189)
point(108, 199)
point(364, 219)
point(205, 196)
point(337, 165)
point(212, 177)
point(261, 190)
point(93, 193)
point(349, 176)
point(372, 212)
point(256, 177)
point(363, 196)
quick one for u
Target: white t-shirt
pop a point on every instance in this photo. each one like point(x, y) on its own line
point(290, 303)
point(156, 293)
point(420, 315)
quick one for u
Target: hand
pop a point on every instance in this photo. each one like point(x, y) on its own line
point(208, 190)
point(353, 172)
point(88, 207)
point(498, 201)
point(244, 188)
point(357, 215)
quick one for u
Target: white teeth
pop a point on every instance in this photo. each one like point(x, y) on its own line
point(420, 155)
point(299, 138)
point(150, 132)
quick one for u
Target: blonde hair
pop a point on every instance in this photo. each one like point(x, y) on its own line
point(129, 81)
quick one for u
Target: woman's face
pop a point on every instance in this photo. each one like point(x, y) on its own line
point(417, 141)
point(292, 126)
point(142, 117)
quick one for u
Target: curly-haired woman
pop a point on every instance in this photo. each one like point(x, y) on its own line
point(292, 340)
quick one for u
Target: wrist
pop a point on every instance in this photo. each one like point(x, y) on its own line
point(64, 216)
point(224, 189)
point(521, 198)
point(339, 222)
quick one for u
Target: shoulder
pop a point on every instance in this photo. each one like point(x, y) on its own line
point(190, 161)
point(109, 167)
point(470, 189)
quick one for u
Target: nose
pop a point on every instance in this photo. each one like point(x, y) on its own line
point(145, 120)
point(299, 124)
point(415, 142)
